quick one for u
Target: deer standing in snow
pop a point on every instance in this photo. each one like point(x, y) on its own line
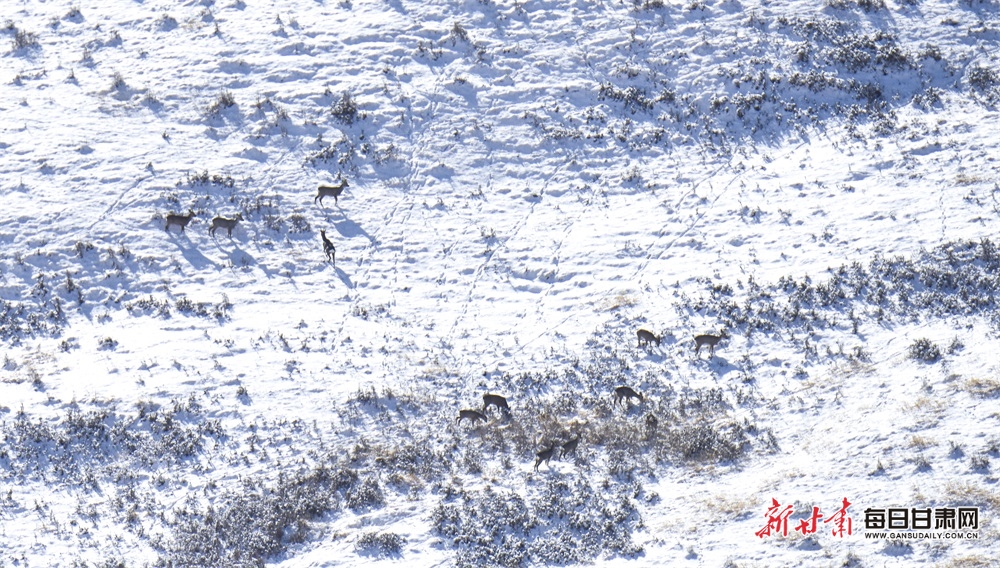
point(569, 447)
point(545, 456)
point(710, 340)
point(646, 337)
point(626, 394)
point(331, 252)
point(180, 220)
point(497, 401)
point(330, 191)
point(471, 415)
point(224, 223)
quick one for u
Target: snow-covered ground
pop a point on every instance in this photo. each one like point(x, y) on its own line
point(530, 183)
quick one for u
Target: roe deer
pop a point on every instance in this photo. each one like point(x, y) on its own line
point(545, 456)
point(646, 337)
point(495, 400)
point(570, 446)
point(331, 252)
point(471, 415)
point(331, 190)
point(227, 224)
point(626, 394)
point(181, 220)
point(710, 340)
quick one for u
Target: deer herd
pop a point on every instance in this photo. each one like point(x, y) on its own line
point(227, 223)
point(500, 402)
point(646, 338)
point(623, 396)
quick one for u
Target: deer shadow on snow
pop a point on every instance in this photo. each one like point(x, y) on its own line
point(349, 229)
point(190, 252)
point(344, 277)
point(239, 257)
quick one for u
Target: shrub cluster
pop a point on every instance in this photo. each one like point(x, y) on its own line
point(569, 521)
point(19, 320)
point(984, 81)
point(149, 305)
point(384, 544)
point(243, 528)
point(959, 278)
point(83, 440)
point(346, 109)
point(924, 350)
point(633, 98)
point(204, 178)
point(25, 40)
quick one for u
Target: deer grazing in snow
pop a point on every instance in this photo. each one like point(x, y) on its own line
point(646, 337)
point(710, 340)
point(569, 447)
point(626, 394)
point(331, 252)
point(224, 223)
point(181, 220)
point(331, 191)
point(545, 456)
point(497, 401)
point(471, 415)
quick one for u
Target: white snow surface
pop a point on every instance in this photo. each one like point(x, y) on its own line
point(513, 209)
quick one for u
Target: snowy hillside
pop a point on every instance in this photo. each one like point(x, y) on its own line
point(528, 185)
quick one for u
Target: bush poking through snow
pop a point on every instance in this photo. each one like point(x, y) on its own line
point(223, 101)
point(366, 495)
point(384, 544)
point(118, 82)
point(188, 307)
point(459, 33)
point(24, 40)
point(867, 5)
point(633, 97)
point(925, 350)
point(985, 81)
point(346, 110)
point(204, 178)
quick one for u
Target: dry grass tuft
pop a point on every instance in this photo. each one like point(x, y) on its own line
point(983, 388)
